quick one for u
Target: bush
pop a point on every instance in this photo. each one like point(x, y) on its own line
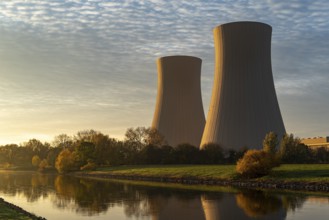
point(36, 160)
point(212, 154)
point(255, 163)
point(89, 166)
point(186, 154)
point(43, 165)
point(65, 161)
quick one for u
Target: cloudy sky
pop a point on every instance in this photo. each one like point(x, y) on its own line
point(70, 65)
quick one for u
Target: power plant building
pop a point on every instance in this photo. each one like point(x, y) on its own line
point(243, 106)
point(179, 114)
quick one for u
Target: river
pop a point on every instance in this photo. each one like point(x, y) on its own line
point(58, 197)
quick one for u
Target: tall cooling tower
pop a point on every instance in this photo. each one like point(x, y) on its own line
point(179, 112)
point(244, 106)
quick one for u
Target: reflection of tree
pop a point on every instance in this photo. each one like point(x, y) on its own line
point(90, 197)
point(31, 185)
point(292, 202)
point(258, 203)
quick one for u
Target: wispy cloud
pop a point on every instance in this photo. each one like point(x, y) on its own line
point(99, 55)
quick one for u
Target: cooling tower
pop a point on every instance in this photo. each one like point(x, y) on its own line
point(243, 106)
point(179, 115)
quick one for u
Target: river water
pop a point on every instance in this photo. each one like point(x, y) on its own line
point(66, 197)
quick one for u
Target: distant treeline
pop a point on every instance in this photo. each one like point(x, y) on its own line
point(90, 149)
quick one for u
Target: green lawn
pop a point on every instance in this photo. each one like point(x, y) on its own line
point(300, 173)
point(291, 172)
point(10, 214)
point(178, 171)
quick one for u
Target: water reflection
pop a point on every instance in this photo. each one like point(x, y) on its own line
point(93, 197)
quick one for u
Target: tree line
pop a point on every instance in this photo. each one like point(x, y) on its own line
point(89, 149)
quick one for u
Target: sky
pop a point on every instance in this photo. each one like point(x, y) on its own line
point(71, 65)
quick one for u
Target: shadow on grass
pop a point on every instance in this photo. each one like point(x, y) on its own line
point(300, 174)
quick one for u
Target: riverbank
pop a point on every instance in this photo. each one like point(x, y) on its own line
point(11, 211)
point(303, 177)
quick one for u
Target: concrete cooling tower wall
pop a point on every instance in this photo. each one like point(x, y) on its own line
point(244, 105)
point(179, 114)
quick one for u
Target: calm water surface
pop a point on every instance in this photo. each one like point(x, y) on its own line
point(65, 197)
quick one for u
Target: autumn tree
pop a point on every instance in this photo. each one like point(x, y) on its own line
point(254, 163)
point(270, 142)
point(36, 161)
point(66, 161)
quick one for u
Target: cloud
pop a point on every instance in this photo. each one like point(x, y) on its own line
point(99, 55)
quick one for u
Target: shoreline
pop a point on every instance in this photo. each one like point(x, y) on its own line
point(250, 184)
point(19, 210)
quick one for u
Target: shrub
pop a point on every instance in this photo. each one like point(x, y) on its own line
point(43, 165)
point(186, 154)
point(89, 166)
point(255, 163)
point(65, 161)
point(36, 160)
point(212, 154)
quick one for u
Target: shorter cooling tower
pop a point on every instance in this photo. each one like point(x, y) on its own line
point(179, 115)
point(244, 106)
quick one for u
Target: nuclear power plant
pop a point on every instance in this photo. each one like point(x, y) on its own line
point(179, 114)
point(243, 106)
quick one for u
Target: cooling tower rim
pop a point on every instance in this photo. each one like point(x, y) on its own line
point(178, 57)
point(243, 22)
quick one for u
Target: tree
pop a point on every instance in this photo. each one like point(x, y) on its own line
point(52, 155)
point(142, 136)
point(85, 151)
point(254, 163)
point(167, 154)
point(150, 154)
point(43, 165)
point(270, 143)
point(320, 155)
point(62, 141)
point(36, 161)
point(292, 150)
point(37, 147)
point(86, 135)
point(65, 161)
point(186, 154)
point(212, 153)
point(154, 137)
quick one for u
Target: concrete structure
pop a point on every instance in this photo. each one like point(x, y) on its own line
point(238, 206)
point(244, 105)
point(168, 207)
point(179, 112)
point(316, 142)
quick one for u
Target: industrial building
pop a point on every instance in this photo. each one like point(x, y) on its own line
point(244, 106)
point(316, 142)
point(179, 114)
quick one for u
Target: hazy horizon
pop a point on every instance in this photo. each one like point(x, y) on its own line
point(71, 65)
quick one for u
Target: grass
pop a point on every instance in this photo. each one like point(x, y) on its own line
point(9, 213)
point(300, 173)
point(286, 172)
point(174, 171)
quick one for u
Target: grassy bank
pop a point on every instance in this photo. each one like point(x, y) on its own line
point(173, 171)
point(11, 212)
point(287, 172)
point(302, 177)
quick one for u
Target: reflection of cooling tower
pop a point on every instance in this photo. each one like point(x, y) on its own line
point(244, 105)
point(227, 208)
point(179, 112)
point(167, 208)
